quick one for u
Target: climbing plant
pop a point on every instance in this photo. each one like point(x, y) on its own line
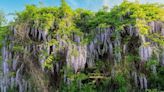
point(59, 40)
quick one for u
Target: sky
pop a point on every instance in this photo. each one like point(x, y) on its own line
point(11, 6)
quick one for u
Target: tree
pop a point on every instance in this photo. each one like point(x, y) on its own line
point(65, 9)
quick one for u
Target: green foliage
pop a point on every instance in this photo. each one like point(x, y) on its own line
point(118, 84)
point(157, 80)
point(65, 23)
point(3, 29)
point(65, 10)
point(53, 42)
point(37, 16)
point(2, 18)
point(152, 62)
point(132, 58)
point(82, 18)
point(12, 89)
point(156, 38)
point(48, 63)
point(129, 13)
point(3, 32)
point(76, 85)
point(17, 48)
point(100, 18)
point(160, 77)
point(151, 90)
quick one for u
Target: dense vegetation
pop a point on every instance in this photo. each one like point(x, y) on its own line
point(66, 29)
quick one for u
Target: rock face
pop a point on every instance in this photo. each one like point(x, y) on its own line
point(106, 42)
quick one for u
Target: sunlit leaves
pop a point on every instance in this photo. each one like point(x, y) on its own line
point(53, 42)
point(48, 63)
point(156, 38)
